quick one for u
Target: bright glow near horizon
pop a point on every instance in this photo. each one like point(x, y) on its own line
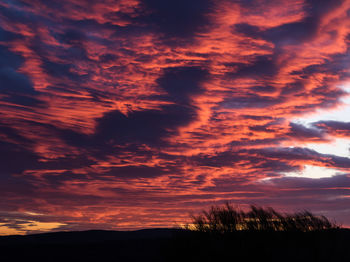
point(29, 226)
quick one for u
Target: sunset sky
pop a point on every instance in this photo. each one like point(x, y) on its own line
point(128, 114)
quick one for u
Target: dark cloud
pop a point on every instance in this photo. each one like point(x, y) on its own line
point(15, 159)
point(72, 37)
point(8, 36)
point(335, 128)
point(57, 180)
point(340, 181)
point(16, 86)
point(317, 8)
point(294, 88)
point(301, 132)
point(149, 126)
point(178, 18)
point(283, 34)
point(257, 117)
point(248, 30)
point(12, 81)
point(256, 158)
point(262, 66)
point(263, 89)
point(132, 172)
point(60, 70)
point(9, 59)
point(305, 154)
point(292, 32)
point(251, 100)
point(182, 82)
point(13, 135)
point(289, 153)
point(261, 128)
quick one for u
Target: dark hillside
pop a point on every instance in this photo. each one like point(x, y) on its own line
point(95, 245)
point(178, 245)
point(327, 245)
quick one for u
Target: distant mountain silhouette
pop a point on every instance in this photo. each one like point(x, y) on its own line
point(88, 237)
point(83, 246)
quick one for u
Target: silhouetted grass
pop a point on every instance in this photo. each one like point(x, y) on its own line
point(227, 219)
point(224, 233)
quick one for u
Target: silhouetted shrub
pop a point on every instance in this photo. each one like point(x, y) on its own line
point(226, 219)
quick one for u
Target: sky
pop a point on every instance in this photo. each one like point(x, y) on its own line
point(129, 114)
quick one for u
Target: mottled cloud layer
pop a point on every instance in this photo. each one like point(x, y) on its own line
point(132, 113)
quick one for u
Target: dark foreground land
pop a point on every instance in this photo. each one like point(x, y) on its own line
point(177, 245)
